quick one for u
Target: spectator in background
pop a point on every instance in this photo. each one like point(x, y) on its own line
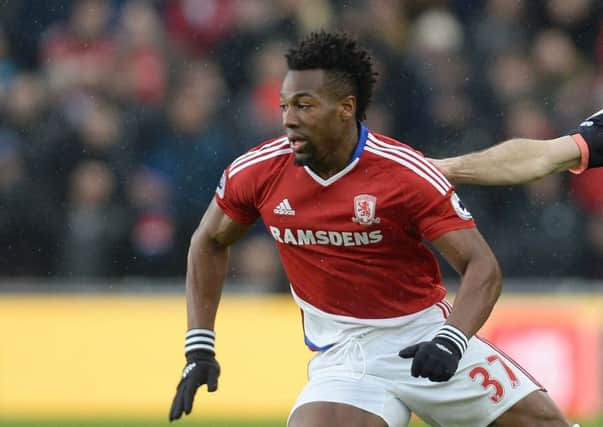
point(511, 76)
point(97, 135)
point(390, 46)
point(254, 22)
point(549, 224)
point(556, 59)
point(499, 28)
point(141, 74)
point(436, 52)
point(195, 27)
point(28, 222)
point(25, 22)
point(586, 189)
point(258, 111)
point(152, 239)
point(42, 132)
point(308, 15)
point(579, 19)
point(550, 232)
point(100, 137)
point(80, 54)
point(592, 259)
point(192, 146)
point(8, 68)
point(96, 224)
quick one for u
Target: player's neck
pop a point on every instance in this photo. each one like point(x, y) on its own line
point(338, 158)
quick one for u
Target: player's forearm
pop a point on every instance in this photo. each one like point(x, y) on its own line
point(515, 161)
point(206, 271)
point(480, 288)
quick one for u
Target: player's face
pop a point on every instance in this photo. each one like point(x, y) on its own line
point(311, 116)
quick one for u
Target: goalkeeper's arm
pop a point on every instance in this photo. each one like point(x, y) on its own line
point(515, 161)
point(522, 160)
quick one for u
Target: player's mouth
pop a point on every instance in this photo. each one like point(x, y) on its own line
point(297, 144)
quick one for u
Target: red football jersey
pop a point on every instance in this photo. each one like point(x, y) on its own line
point(351, 245)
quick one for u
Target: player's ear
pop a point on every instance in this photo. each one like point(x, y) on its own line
point(347, 108)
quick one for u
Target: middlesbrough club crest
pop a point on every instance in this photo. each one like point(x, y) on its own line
point(364, 209)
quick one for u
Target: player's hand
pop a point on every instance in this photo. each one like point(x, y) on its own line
point(437, 359)
point(591, 131)
point(201, 368)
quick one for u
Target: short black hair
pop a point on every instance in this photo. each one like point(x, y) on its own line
point(348, 67)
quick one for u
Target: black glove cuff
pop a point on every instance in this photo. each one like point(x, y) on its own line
point(199, 356)
point(199, 341)
point(591, 132)
point(454, 337)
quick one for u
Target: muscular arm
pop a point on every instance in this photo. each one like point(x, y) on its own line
point(515, 161)
point(206, 265)
point(469, 254)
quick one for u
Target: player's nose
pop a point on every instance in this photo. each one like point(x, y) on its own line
point(289, 118)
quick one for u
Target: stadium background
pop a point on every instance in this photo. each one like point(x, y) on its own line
point(117, 118)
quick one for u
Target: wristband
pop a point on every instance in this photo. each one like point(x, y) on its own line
point(584, 154)
point(199, 339)
point(454, 335)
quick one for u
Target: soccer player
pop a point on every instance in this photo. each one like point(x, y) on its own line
point(522, 160)
point(349, 210)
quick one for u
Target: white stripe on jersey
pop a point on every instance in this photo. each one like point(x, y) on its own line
point(404, 162)
point(417, 159)
point(274, 145)
point(287, 205)
point(270, 155)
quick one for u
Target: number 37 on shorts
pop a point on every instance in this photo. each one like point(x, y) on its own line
point(483, 377)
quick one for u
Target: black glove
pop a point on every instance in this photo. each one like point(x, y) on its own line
point(201, 368)
point(591, 131)
point(439, 358)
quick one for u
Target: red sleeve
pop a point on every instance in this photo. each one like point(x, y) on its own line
point(235, 195)
point(433, 212)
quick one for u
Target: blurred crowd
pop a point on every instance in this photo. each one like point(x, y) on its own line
point(118, 117)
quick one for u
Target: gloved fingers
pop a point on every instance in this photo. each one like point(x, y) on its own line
point(427, 367)
point(409, 352)
point(448, 373)
point(176, 409)
point(189, 396)
point(418, 366)
point(436, 373)
point(212, 378)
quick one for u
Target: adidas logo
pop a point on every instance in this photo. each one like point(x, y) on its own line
point(284, 208)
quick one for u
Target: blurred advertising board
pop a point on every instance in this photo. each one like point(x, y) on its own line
point(83, 355)
point(559, 340)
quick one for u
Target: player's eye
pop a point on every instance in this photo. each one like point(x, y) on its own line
point(283, 107)
point(303, 107)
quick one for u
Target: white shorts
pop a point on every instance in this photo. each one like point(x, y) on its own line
point(365, 371)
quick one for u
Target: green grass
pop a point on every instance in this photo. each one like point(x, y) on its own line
point(181, 423)
point(139, 423)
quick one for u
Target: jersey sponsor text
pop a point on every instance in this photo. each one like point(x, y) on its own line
point(301, 237)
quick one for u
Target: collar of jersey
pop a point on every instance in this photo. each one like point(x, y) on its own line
point(353, 161)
